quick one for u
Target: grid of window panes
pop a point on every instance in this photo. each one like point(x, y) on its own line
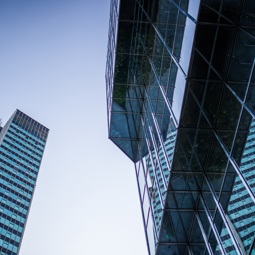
point(214, 154)
point(156, 169)
point(153, 175)
point(145, 59)
point(151, 57)
point(20, 156)
point(241, 208)
point(211, 103)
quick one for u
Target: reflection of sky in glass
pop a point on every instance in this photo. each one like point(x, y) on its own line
point(193, 8)
point(178, 94)
point(187, 43)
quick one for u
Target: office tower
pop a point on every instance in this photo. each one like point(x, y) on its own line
point(180, 86)
point(22, 142)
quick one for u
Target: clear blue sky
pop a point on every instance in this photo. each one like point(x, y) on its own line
point(52, 67)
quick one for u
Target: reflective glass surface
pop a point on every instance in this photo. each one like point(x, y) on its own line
point(181, 106)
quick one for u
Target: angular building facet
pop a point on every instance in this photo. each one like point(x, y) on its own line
point(180, 86)
point(22, 143)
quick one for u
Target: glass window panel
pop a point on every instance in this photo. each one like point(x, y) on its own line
point(177, 223)
point(211, 103)
point(250, 100)
point(239, 88)
point(179, 36)
point(243, 56)
point(167, 231)
point(205, 222)
point(216, 181)
point(218, 222)
point(202, 145)
point(228, 183)
point(198, 89)
point(170, 35)
point(217, 161)
point(231, 10)
point(229, 112)
point(187, 40)
point(198, 249)
point(239, 145)
point(178, 182)
point(196, 235)
point(222, 50)
point(199, 68)
point(164, 72)
point(125, 14)
point(191, 113)
point(170, 202)
point(213, 243)
point(150, 233)
point(207, 15)
point(172, 249)
point(152, 9)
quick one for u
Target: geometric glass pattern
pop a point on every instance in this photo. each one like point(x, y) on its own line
point(180, 86)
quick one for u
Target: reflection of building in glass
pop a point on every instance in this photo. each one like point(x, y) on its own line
point(181, 105)
point(157, 173)
point(22, 142)
point(241, 209)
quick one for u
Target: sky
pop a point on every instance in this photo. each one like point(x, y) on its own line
point(52, 67)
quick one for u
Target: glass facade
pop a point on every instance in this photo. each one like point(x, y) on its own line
point(241, 209)
point(180, 86)
point(22, 142)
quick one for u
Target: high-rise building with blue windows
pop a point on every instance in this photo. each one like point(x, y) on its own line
point(22, 143)
point(180, 84)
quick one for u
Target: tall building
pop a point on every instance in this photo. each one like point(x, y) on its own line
point(180, 85)
point(22, 143)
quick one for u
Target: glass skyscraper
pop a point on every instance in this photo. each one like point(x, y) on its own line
point(180, 85)
point(22, 142)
